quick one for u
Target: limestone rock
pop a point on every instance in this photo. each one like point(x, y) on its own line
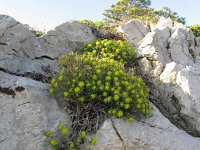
point(17, 47)
point(180, 43)
point(162, 23)
point(154, 48)
point(196, 52)
point(151, 134)
point(134, 31)
point(65, 38)
point(27, 110)
point(107, 137)
point(170, 58)
point(22, 52)
point(188, 80)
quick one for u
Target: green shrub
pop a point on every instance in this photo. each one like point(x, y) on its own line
point(117, 50)
point(89, 84)
point(195, 29)
point(37, 32)
point(96, 24)
point(94, 85)
point(65, 141)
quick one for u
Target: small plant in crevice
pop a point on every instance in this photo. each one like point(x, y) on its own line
point(117, 50)
point(37, 32)
point(96, 24)
point(65, 141)
point(195, 29)
point(110, 29)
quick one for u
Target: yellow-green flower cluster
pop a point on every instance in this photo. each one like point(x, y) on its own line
point(85, 79)
point(117, 50)
point(62, 129)
point(195, 29)
point(96, 24)
point(65, 142)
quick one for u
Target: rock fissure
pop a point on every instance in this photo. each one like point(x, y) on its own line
point(118, 134)
point(187, 55)
point(3, 140)
point(1, 43)
point(154, 125)
point(10, 91)
point(14, 50)
point(138, 28)
point(2, 59)
point(34, 76)
point(19, 88)
point(26, 54)
point(7, 91)
point(168, 44)
point(45, 56)
point(24, 103)
point(8, 28)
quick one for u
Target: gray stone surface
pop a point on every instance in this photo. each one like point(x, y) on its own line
point(21, 51)
point(17, 47)
point(156, 133)
point(134, 31)
point(64, 38)
point(170, 58)
point(27, 114)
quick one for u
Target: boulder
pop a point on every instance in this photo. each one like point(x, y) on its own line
point(22, 52)
point(27, 110)
point(64, 38)
point(152, 134)
point(136, 27)
point(170, 64)
point(154, 49)
point(17, 47)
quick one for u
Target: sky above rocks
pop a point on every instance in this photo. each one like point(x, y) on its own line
point(46, 14)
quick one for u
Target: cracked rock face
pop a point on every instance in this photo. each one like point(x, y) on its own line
point(22, 52)
point(170, 58)
point(152, 134)
point(27, 110)
point(64, 38)
point(17, 47)
point(136, 27)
